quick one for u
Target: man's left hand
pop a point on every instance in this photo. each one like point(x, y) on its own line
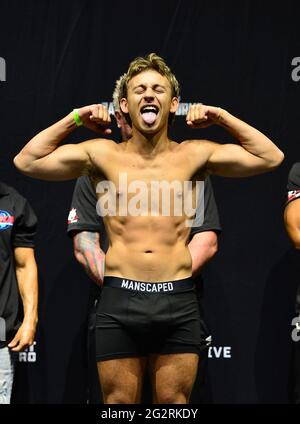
point(202, 116)
point(23, 339)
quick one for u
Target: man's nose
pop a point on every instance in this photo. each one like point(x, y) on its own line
point(148, 98)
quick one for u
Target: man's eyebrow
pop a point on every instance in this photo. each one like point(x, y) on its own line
point(144, 86)
point(139, 85)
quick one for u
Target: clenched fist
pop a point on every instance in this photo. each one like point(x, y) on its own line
point(95, 117)
point(202, 116)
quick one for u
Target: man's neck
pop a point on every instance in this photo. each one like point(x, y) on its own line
point(149, 144)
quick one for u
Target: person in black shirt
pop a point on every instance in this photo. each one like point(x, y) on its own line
point(292, 209)
point(292, 214)
point(292, 225)
point(18, 275)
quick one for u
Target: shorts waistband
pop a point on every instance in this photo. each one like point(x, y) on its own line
point(147, 287)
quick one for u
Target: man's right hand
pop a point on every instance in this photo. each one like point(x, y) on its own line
point(43, 157)
point(96, 118)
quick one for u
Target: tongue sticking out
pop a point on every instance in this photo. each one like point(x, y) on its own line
point(149, 117)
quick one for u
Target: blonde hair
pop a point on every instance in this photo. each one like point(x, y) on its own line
point(140, 64)
point(151, 61)
point(117, 92)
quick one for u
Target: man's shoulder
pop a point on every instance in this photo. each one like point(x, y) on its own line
point(197, 144)
point(9, 190)
point(197, 148)
point(100, 144)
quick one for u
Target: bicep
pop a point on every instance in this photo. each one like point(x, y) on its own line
point(23, 256)
point(232, 160)
point(64, 163)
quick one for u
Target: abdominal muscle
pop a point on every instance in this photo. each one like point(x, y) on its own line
point(148, 249)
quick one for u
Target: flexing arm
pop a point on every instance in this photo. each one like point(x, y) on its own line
point(43, 158)
point(26, 272)
point(292, 222)
point(203, 247)
point(255, 154)
point(89, 254)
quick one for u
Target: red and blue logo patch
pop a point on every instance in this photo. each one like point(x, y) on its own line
point(6, 220)
point(293, 194)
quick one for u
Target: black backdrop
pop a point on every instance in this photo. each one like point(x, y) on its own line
point(237, 55)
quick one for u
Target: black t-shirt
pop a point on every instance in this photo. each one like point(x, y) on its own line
point(293, 185)
point(83, 215)
point(17, 229)
point(293, 193)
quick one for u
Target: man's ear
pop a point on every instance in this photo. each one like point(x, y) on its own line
point(124, 105)
point(174, 104)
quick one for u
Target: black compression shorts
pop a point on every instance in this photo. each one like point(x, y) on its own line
point(137, 318)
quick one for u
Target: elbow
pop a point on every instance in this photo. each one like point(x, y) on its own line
point(277, 159)
point(25, 164)
point(20, 164)
point(280, 158)
point(17, 162)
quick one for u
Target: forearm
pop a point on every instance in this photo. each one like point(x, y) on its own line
point(89, 254)
point(27, 278)
point(250, 138)
point(45, 142)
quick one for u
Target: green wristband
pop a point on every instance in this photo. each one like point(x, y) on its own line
point(77, 119)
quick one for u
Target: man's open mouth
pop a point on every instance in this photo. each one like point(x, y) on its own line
point(149, 113)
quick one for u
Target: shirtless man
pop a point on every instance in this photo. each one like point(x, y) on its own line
point(148, 309)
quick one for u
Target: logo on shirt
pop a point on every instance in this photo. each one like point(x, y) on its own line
point(293, 194)
point(73, 217)
point(6, 220)
point(28, 355)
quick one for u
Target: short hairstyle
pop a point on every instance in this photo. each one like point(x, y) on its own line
point(150, 61)
point(117, 93)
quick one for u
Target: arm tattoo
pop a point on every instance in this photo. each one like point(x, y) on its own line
point(89, 254)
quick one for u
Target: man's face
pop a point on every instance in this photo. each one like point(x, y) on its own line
point(125, 128)
point(149, 101)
